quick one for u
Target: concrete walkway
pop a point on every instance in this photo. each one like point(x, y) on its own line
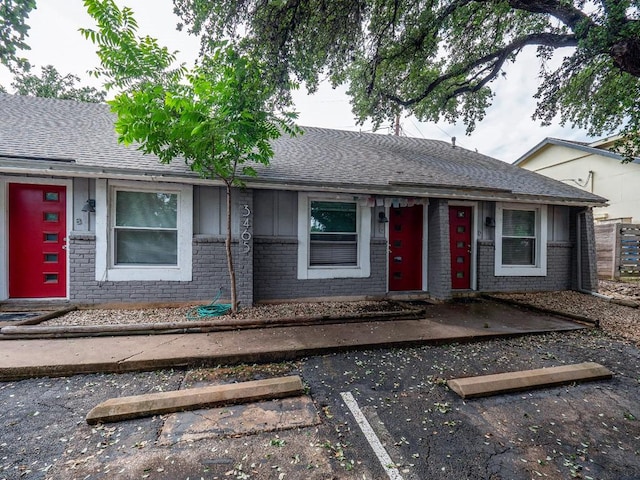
point(445, 323)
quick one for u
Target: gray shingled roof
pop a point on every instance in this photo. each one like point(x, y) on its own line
point(79, 137)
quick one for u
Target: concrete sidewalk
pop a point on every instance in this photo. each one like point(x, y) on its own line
point(446, 323)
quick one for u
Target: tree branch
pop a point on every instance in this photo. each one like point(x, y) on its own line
point(562, 10)
point(495, 60)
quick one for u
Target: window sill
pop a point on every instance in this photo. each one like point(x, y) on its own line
point(149, 274)
point(315, 273)
point(520, 271)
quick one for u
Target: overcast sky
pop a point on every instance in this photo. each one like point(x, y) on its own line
point(506, 132)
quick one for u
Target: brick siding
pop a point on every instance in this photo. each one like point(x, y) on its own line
point(209, 274)
point(559, 255)
point(439, 265)
point(275, 273)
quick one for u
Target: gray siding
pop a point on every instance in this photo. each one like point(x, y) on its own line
point(558, 222)
point(558, 277)
point(276, 213)
point(275, 273)
point(209, 210)
point(83, 190)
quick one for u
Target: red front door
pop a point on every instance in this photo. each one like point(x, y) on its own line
point(405, 248)
point(460, 239)
point(37, 238)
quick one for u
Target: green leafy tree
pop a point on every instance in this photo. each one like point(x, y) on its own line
point(219, 116)
point(438, 59)
point(51, 84)
point(13, 29)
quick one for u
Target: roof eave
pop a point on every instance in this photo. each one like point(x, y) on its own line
point(575, 146)
point(424, 191)
point(414, 190)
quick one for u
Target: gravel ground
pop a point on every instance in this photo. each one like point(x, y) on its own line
point(165, 315)
point(618, 320)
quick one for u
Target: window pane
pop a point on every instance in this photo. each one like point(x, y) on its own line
point(333, 217)
point(333, 253)
point(51, 258)
point(334, 237)
point(518, 251)
point(518, 223)
point(50, 278)
point(146, 247)
point(146, 209)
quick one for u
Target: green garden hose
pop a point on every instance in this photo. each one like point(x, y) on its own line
point(211, 310)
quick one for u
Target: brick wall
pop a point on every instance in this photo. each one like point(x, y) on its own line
point(589, 253)
point(243, 247)
point(275, 273)
point(210, 271)
point(209, 274)
point(559, 257)
point(439, 266)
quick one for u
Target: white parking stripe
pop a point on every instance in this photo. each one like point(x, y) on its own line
point(372, 438)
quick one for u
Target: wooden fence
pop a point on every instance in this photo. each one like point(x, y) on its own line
point(618, 250)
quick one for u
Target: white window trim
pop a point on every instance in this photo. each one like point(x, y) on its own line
point(362, 269)
point(105, 270)
point(4, 225)
point(538, 270)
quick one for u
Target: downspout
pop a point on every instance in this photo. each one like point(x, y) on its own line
point(579, 259)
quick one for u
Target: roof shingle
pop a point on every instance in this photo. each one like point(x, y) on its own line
point(51, 129)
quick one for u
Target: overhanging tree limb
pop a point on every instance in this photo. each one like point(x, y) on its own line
point(437, 58)
point(492, 62)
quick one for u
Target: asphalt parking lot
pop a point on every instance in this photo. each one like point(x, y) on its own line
point(584, 431)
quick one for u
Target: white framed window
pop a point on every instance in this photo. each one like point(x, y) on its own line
point(334, 235)
point(521, 240)
point(145, 228)
point(147, 233)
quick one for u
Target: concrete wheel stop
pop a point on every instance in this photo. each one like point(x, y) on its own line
point(496, 384)
point(125, 408)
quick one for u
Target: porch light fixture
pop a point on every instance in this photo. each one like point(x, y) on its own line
point(382, 218)
point(89, 206)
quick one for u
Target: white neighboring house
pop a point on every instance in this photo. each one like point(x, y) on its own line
point(593, 167)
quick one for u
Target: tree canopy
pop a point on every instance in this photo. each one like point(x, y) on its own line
point(438, 59)
point(219, 117)
point(13, 29)
point(51, 84)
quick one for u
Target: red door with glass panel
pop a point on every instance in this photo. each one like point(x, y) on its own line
point(405, 248)
point(460, 239)
point(37, 239)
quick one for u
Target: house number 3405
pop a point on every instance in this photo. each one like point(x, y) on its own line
point(245, 236)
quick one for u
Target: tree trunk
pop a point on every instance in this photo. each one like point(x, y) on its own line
point(232, 272)
point(626, 55)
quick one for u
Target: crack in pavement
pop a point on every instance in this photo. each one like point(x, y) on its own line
point(156, 346)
